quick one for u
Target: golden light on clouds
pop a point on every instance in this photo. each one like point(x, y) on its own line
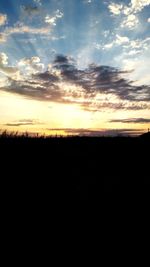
point(55, 75)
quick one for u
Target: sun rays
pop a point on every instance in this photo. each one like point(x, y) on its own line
point(74, 65)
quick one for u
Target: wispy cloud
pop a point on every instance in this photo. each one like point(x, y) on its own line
point(20, 28)
point(53, 19)
point(132, 120)
point(96, 132)
point(131, 47)
point(129, 13)
point(24, 122)
point(117, 41)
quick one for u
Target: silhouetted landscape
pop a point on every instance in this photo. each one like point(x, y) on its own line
point(74, 168)
point(76, 72)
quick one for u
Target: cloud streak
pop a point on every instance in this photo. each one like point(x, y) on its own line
point(24, 122)
point(96, 132)
point(132, 120)
point(22, 28)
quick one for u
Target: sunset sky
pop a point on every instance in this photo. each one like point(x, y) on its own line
point(75, 66)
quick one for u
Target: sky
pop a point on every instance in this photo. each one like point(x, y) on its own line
point(75, 66)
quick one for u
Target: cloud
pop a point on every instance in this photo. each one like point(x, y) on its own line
point(4, 68)
point(121, 39)
point(132, 120)
point(138, 5)
point(131, 48)
point(33, 89)
point(20, 28)
point(135, 6)
point(108, 46)
point(53, 19)
point(115, 9)
point(131, 21)
point(3, 19)
point(93, 88)
point(31, 65)
point(121, 105)
point(96, 132)
point(128, 12)
point(148, 20)
point(24, 122)
point(3, 59)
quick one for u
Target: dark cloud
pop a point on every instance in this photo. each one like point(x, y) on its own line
point(132, 120)
point(17, 124)
point(46, 77)
point(115, 106)
point(66, 65)
point(60, 59)
point(103, 79)
point(48, 86)
point(45, 92)
point(92, 132)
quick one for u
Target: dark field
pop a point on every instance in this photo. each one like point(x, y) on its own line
point(75, 168)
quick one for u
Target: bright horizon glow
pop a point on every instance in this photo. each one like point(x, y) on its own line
point(73, 67)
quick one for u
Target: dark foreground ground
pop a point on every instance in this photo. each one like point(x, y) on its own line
point(77, 168)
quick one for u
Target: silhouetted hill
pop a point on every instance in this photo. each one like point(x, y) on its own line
point(146, 135)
